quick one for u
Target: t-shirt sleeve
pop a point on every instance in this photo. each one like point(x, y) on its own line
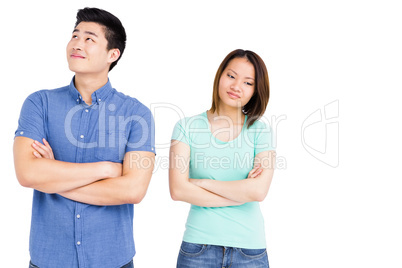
point(31, 121)
point(180, 133)
point(141, 135)
point(263, 139)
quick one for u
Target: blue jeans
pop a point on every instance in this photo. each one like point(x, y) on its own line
point(209, 256)
point(128, 265)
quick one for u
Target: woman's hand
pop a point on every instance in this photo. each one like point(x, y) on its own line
point(42, 150)
point(255, 172)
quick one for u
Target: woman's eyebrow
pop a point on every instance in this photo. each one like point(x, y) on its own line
point(233, 71)
point(236, 74)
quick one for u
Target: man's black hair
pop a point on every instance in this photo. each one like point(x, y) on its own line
point(114, 31)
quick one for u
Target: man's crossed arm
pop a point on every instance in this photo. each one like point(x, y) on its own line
point(99, 183)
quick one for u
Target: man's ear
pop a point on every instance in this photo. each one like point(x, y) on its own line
point(114, 55)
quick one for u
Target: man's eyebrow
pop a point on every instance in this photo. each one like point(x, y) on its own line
point(236, 74)
point(86, 32)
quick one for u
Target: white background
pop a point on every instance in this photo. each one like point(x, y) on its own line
point(317, 52)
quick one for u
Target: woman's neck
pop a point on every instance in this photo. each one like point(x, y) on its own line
point(226, 125)
point(234, 115)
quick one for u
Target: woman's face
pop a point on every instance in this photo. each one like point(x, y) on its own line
point(237, 83)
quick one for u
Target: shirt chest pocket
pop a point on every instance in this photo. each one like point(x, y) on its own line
point(111, 145)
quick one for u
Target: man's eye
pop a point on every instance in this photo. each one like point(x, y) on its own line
point(90, 39)
point(74, 36)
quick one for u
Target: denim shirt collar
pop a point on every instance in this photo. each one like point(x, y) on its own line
point(97, 97)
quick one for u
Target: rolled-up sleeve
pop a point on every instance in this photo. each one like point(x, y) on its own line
point(32, 118)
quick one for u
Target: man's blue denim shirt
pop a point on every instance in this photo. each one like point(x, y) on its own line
point(65, 233)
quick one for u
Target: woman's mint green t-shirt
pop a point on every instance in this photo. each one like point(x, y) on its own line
point(234, 226)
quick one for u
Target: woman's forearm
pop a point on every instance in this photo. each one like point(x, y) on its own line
point(193, 194)
point(247, 190)
point(254, 188)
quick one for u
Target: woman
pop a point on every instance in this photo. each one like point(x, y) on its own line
point(221, 162)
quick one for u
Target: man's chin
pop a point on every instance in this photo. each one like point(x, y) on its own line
point(76, 68)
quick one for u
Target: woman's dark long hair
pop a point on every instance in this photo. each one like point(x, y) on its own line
point(257, 105)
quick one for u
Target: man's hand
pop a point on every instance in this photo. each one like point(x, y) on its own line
point(115, 169)
point(42, 150)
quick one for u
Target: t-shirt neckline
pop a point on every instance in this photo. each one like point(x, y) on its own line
point(218, 140)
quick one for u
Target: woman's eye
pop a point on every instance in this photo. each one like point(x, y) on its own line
point(249, 84)
point(90, 39)
point(230, 76)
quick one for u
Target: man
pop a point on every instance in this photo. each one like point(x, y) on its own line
point(86, 175)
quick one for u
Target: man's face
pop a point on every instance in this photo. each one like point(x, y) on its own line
point(87, 50)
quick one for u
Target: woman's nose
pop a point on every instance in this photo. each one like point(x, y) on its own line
point(235, 86)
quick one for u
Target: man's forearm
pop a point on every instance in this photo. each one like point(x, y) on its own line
point(109, 192)
point(128, 188)
point(53, 176)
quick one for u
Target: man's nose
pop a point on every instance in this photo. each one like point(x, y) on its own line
point(77, 47)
